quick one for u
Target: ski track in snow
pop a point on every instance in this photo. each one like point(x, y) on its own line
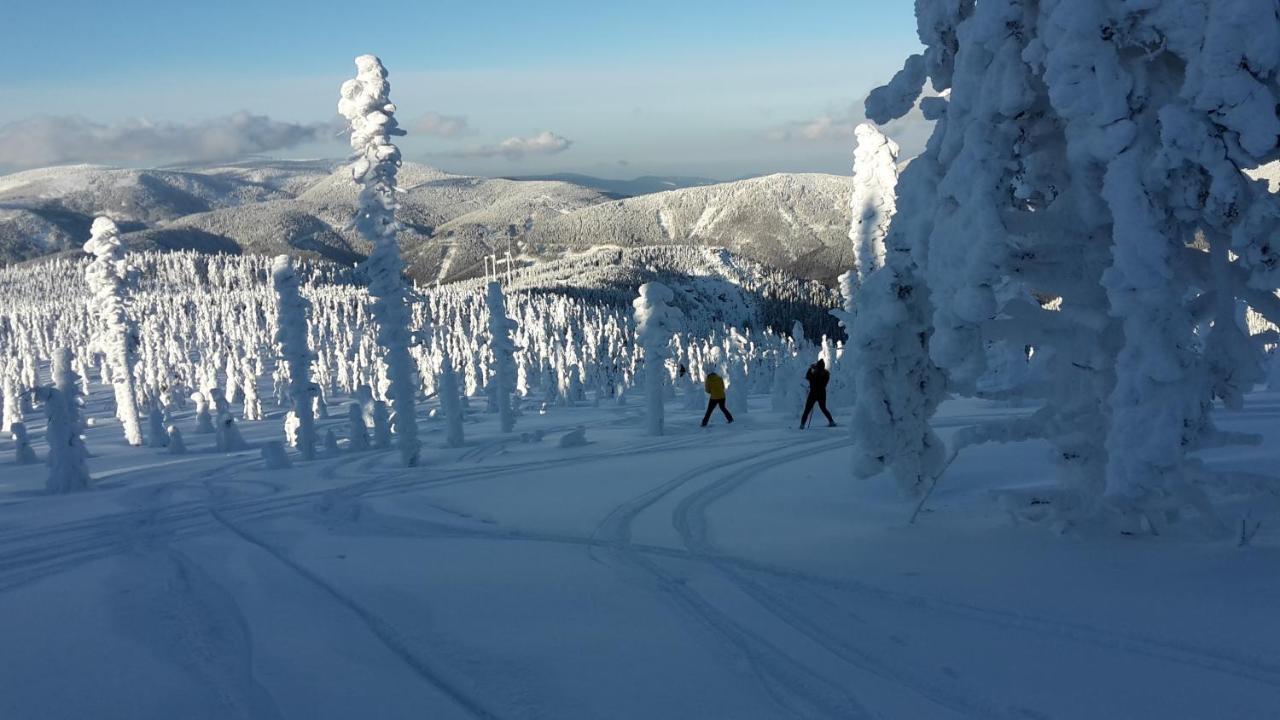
point(380, 628)
point(795, 687)
point(690, 521)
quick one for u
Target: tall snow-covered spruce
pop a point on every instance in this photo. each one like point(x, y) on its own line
point(875, 180)
point(117, 336)
point(291, 311)
point(656, 322)
point(504, 375)
point(366, 105)
point(897, 388)
point(68, 458)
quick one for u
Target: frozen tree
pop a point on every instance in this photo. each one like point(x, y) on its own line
point(117, 332)
point(68, 459)
point(504, 376)
point(157, 437)
point(366, 105)
point(450, 402)
point(291, 317)
point(656, 321)
point(875, 179)
point(381, 425)
point(274, 456)
point(12, 405)
point(227, 437)
point(23, 453)
point(204, 415)
point(1170, 135)
point(1084, 195)
point(357, 429)
point(176, 445)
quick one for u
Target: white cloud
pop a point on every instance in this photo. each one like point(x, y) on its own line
point(39, 141)
point(516, 148)
point(444, 126)
point(911, 132)
point(823, 127)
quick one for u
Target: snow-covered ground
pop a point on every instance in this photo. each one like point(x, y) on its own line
point(727, 572)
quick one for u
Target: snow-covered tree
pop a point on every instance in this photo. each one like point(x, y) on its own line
point(68, 458)
point(117, 332)
point(176, 446)
point(23, 453)
point(291, 317)
point(366, 105)
point(656, 321)
point(1084, 195)
point(450, 402)
point(1192, 235)
point(357, 430)
point(227, 437)
point(504, 376)
point(875, 180)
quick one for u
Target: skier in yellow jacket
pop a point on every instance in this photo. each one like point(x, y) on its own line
point(715, 391)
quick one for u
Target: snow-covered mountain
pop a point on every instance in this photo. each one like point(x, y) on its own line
point(796, 223)
point(624, 188)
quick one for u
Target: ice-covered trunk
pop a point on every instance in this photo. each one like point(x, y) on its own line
point(176, 444)
point(656, 322)
point(897, 388)
point(68, 459)
point(450, 402)
point(381, 425)
point(204, 416)
point(366, 105)
point(357, 430)
point(291, 317)
point(504, 376)
point(228, 438)
point(12, 405)
point(118, 336)
point(158, 437)
point(655, 376)
point(23, 454)
point(1158, 408)
point(875, 178)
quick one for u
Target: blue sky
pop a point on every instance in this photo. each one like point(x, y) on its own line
point(710, 88)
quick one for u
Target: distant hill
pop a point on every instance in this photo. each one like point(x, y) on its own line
point(797, 223)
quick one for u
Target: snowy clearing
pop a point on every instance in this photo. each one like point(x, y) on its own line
point(732, 572)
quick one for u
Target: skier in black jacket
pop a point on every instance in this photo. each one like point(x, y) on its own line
point(818, 377)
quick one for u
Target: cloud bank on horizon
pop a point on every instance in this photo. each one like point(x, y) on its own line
point(62, 140)
point(518, 148)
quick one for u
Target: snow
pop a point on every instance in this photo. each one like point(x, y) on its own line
point(725, 572)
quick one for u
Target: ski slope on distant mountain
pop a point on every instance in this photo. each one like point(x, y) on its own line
point(734, 571)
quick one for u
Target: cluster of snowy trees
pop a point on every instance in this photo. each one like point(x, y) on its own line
point(1081, 231)
point(244, 337)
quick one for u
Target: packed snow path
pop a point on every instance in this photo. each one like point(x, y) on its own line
point(727, 572)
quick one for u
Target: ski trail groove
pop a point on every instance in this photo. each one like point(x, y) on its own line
point(690, 520)
point(380, 628)
point(793, 686)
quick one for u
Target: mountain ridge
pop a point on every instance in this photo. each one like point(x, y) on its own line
point(451, 223)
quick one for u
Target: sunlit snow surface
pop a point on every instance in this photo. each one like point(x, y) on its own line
point(727, 572)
